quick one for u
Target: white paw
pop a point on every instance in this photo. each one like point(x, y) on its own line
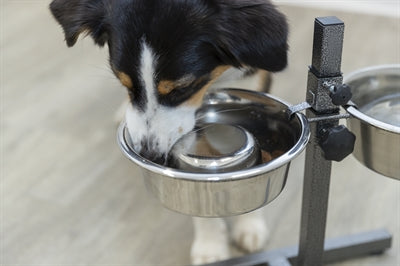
point(209, 249)
point(250, 233)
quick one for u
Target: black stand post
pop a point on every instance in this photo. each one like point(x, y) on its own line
point(313, 250)
point(326, 61)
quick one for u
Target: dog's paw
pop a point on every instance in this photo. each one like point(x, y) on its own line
point(250, 233)
point(209, 249)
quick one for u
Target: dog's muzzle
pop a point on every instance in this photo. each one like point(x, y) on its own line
point(150, 151)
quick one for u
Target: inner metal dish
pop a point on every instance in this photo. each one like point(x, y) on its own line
point(215, 148)
point(239, 191)
point(376, 118)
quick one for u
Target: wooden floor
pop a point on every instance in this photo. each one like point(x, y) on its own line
point(69, 197)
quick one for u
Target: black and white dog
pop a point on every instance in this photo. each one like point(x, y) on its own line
point(168, 53)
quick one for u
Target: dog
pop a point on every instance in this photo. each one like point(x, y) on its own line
point(168, 53)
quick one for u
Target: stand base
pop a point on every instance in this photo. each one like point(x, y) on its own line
point(336, 249)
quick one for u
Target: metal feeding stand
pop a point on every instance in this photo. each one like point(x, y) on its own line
point(329, 141)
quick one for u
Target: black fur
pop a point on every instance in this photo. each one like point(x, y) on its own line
point(188, 36)
point(253, 33)
point(77, 16)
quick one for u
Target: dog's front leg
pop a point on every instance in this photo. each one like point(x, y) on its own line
point(250, 231)
point(211, 241)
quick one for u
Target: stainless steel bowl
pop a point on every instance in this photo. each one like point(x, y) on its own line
point(376, 118)
point(234, 192)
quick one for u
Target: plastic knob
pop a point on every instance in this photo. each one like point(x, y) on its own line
point(337, 143)
point(341, 94)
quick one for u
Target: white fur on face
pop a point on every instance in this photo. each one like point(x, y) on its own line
point(158, 127)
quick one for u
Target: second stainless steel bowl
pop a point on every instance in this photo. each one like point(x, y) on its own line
point(376, 119)
point(238, 191)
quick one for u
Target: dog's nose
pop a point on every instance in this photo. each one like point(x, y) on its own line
point(154, 156)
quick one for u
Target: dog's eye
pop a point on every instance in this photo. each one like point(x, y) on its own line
point(125, 79)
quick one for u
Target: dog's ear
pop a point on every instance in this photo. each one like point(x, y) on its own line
point(79, 16)
point(251, 33)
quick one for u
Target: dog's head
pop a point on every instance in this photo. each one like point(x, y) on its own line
point(168, 52)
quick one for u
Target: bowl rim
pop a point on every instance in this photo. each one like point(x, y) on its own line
point(360, 115)
point(276, 163)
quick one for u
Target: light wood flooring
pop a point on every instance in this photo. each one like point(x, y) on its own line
point(69, 197)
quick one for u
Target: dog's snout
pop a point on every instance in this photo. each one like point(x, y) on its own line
point(153, 155)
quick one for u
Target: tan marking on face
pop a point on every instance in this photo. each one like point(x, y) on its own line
point(197, 98)
point(125, 79)
point(218, 71)
point(166, 86)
